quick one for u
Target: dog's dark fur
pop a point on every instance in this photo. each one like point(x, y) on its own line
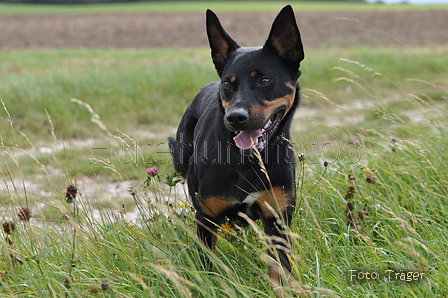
point(258, 93)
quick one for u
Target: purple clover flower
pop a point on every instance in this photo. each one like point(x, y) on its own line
point(152, 171)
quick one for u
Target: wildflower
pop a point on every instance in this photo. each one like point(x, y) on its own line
point(24, 214)
point(70, 194)
point(356, 143)
point(8, 227)
point(152, 171)
point(182, 205)
point(227, 227)
point(351, 177)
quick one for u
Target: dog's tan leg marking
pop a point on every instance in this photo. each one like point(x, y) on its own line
point(275, 200)
point(274, 280)
point(213, 247)
point(272, 204)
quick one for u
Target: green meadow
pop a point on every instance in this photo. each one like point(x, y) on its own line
point(201, 6)
point(371, 146)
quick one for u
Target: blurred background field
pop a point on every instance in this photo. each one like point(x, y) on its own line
point(18, 7)
point(89, 95)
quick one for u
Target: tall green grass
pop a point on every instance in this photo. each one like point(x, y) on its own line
point(371, 185)
point(397, 222)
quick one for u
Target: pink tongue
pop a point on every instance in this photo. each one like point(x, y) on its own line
point(245, 139)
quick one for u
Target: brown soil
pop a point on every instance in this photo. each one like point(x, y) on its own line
point(413, 28)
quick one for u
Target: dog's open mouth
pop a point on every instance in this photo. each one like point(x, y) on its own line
point(245, 139)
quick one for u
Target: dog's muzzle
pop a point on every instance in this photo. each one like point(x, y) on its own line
point(246, 139)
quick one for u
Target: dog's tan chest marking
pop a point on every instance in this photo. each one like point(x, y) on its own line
point(270, 203)
point(214, 206)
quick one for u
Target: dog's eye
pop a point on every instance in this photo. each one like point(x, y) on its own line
point(226, 84)
point(265, 81)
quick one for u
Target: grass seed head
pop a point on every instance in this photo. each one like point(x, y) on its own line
point(370, 180)
point(350, 207)
point(93, 289)
point(24, 214)
point(8, 227)
point(350, 192)
point(104, 285)
point(70, 194)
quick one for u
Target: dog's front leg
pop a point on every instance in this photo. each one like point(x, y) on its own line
point(207, 233)
point(279, 249)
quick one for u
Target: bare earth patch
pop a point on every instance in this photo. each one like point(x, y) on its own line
point(380, 28)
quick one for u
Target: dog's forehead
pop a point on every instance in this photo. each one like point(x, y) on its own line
point(248, 59)
point(245, 55)
point(242, 50)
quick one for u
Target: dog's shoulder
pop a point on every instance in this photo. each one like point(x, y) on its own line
point(207, 97)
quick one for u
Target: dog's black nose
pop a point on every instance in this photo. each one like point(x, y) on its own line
point(237, 118)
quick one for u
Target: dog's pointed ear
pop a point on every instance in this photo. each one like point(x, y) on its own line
point(220, 42)
point(285, 39)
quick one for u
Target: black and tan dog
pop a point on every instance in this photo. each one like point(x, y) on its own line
point(233, 142)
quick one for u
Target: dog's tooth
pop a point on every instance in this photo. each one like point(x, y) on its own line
point(267, 124)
